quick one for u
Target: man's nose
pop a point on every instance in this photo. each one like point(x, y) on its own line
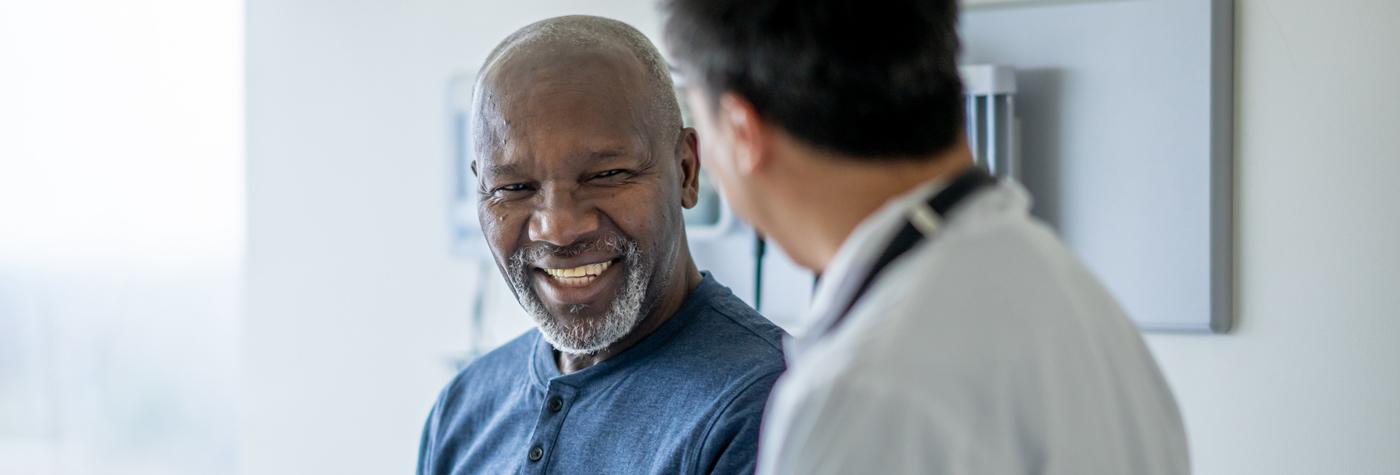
point(561, 219)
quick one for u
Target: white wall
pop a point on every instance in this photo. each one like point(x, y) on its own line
point(355, 305)
point(1310, 380)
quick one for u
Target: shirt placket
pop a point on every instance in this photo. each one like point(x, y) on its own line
point(558, 400)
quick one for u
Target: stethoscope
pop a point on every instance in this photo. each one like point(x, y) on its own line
point(921, 222)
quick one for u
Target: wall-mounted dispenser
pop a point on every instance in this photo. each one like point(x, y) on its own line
point(992, 122)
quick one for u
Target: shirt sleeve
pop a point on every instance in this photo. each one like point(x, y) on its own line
point(426, 445)
point(837, 427)
point(731, 446)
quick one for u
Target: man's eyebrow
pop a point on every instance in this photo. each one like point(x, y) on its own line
point(595, 155)
point(504, 169)
point(603, 154)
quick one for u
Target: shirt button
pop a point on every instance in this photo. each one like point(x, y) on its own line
point(536, 453)
point(556, 404)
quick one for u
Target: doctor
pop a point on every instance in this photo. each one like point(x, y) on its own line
point(952, 332)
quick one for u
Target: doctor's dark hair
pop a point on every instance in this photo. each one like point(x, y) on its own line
point(875, 80)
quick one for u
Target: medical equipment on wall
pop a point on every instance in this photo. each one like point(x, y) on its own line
point(990, 95)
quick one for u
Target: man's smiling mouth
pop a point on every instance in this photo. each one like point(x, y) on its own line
point(579, 276)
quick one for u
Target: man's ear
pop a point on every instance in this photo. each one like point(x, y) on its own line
point(688, 149)
point(747, 131)
point(474, 173)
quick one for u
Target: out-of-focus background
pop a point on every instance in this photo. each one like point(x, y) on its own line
point(121, 236)
point(227, 236)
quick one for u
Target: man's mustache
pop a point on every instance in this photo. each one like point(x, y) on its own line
point(612, 244)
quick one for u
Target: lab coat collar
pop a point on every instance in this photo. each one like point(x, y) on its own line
point(852, 260)
point(868, 240)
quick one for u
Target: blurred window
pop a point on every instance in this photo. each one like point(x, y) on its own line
point(121, 196)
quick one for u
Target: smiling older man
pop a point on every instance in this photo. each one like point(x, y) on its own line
point(639, 362)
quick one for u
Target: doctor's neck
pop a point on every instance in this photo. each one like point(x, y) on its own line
point(818, 198)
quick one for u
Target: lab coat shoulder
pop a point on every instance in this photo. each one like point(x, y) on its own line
point(986, 341)
point(997, 291)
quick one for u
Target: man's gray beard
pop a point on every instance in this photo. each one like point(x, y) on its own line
point(584, 336)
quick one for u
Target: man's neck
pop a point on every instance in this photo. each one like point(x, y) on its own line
point(816, 221)
point(666, 306)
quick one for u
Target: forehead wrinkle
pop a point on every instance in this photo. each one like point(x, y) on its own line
point(599, 74)
point(522, 110)
point(486, 121)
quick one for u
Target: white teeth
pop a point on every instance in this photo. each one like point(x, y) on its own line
point(590, 270)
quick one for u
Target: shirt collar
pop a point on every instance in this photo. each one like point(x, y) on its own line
point(545, 369)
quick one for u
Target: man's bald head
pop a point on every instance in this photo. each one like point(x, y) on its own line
point(573, 37)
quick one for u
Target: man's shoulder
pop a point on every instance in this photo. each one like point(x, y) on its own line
point(487, 372)
point(723, 348)
point(488, 389)
point(729, 329)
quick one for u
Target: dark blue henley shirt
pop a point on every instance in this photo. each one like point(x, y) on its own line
point(686, 399)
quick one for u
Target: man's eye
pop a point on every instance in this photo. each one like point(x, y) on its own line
point(609, 173)
point(513, 187)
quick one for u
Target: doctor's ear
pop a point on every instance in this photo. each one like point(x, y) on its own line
point(737, 117)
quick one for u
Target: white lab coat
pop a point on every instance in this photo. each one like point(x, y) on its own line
point(987, 349)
